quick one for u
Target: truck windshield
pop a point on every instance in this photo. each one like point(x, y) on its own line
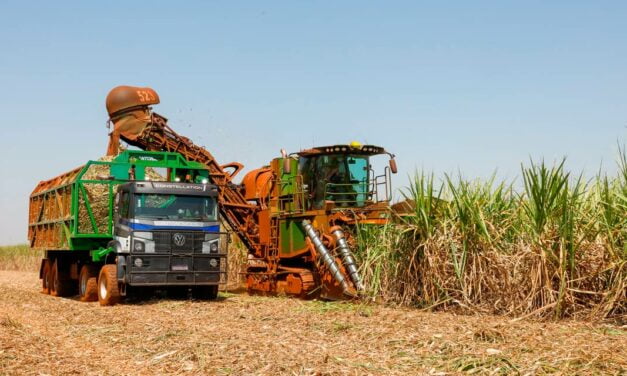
point(175, 207)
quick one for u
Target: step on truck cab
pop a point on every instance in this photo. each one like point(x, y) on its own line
point(128, 225)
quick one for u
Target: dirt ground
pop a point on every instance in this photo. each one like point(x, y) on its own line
point(239, 334)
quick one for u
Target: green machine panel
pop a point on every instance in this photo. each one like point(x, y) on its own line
point(292, 236)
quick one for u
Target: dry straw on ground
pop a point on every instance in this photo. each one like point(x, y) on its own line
point(243, 335)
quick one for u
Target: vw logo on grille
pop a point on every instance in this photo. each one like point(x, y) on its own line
point(179, 239)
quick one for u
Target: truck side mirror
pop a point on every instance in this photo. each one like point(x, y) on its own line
point(393, 167)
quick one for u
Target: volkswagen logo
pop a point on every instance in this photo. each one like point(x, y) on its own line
point(179, 239)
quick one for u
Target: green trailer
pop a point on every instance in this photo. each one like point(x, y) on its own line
point(130, 223)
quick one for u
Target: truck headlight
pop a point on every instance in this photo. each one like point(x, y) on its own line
point(211, 246)
point(138, 246)
point(213, 263)
point(138, 262)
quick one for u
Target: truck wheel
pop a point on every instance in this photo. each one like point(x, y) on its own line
point(60, 284)
point(108, 291)
point(205, 292)
point(45, 277)
point(88, 284)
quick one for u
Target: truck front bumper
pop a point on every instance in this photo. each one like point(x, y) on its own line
point(167, 269)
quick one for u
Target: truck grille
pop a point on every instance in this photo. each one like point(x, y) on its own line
point(178, 241)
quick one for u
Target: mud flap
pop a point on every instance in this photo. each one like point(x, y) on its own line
point(121, 268)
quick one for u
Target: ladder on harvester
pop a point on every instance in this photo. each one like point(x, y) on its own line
point(273, 248)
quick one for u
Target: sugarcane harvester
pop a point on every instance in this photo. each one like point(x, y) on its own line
point(291, 215)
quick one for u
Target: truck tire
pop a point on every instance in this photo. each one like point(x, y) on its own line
point(108, 290)
point(60, 284)
point(45, 277)
point(88, 284)
point(205, 292)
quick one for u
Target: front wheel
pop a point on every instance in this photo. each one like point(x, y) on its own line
point(108, 290)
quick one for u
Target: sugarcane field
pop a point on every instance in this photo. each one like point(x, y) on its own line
point(313, 188)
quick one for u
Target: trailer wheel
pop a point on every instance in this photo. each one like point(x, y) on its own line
point(60, 284)
point(45, 277)
point(88, 284)
point(205, 292)
point(108, 290)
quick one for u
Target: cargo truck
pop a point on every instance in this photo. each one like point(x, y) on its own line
point(129, 224)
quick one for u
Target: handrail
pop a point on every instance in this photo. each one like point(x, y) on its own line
point(370, 191)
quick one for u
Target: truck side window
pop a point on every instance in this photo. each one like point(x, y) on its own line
point(124, 205)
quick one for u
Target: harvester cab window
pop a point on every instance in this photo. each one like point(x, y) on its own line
point(359, 172)
point(340, 178)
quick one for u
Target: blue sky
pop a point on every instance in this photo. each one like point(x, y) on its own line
point(448, 86)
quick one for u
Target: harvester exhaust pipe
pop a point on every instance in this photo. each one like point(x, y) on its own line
point(325, 255)
point(347, 258)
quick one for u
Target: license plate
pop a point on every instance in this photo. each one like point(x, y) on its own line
point(179, 268)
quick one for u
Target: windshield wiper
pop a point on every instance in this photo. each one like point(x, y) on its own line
point(152, 216)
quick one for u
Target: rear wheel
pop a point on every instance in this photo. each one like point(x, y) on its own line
point(88, 284)
point(45, 277)
point(108, 290)
point(60, 283)
point(205, 292)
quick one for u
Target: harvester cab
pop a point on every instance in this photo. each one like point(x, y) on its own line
point(341, 176)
